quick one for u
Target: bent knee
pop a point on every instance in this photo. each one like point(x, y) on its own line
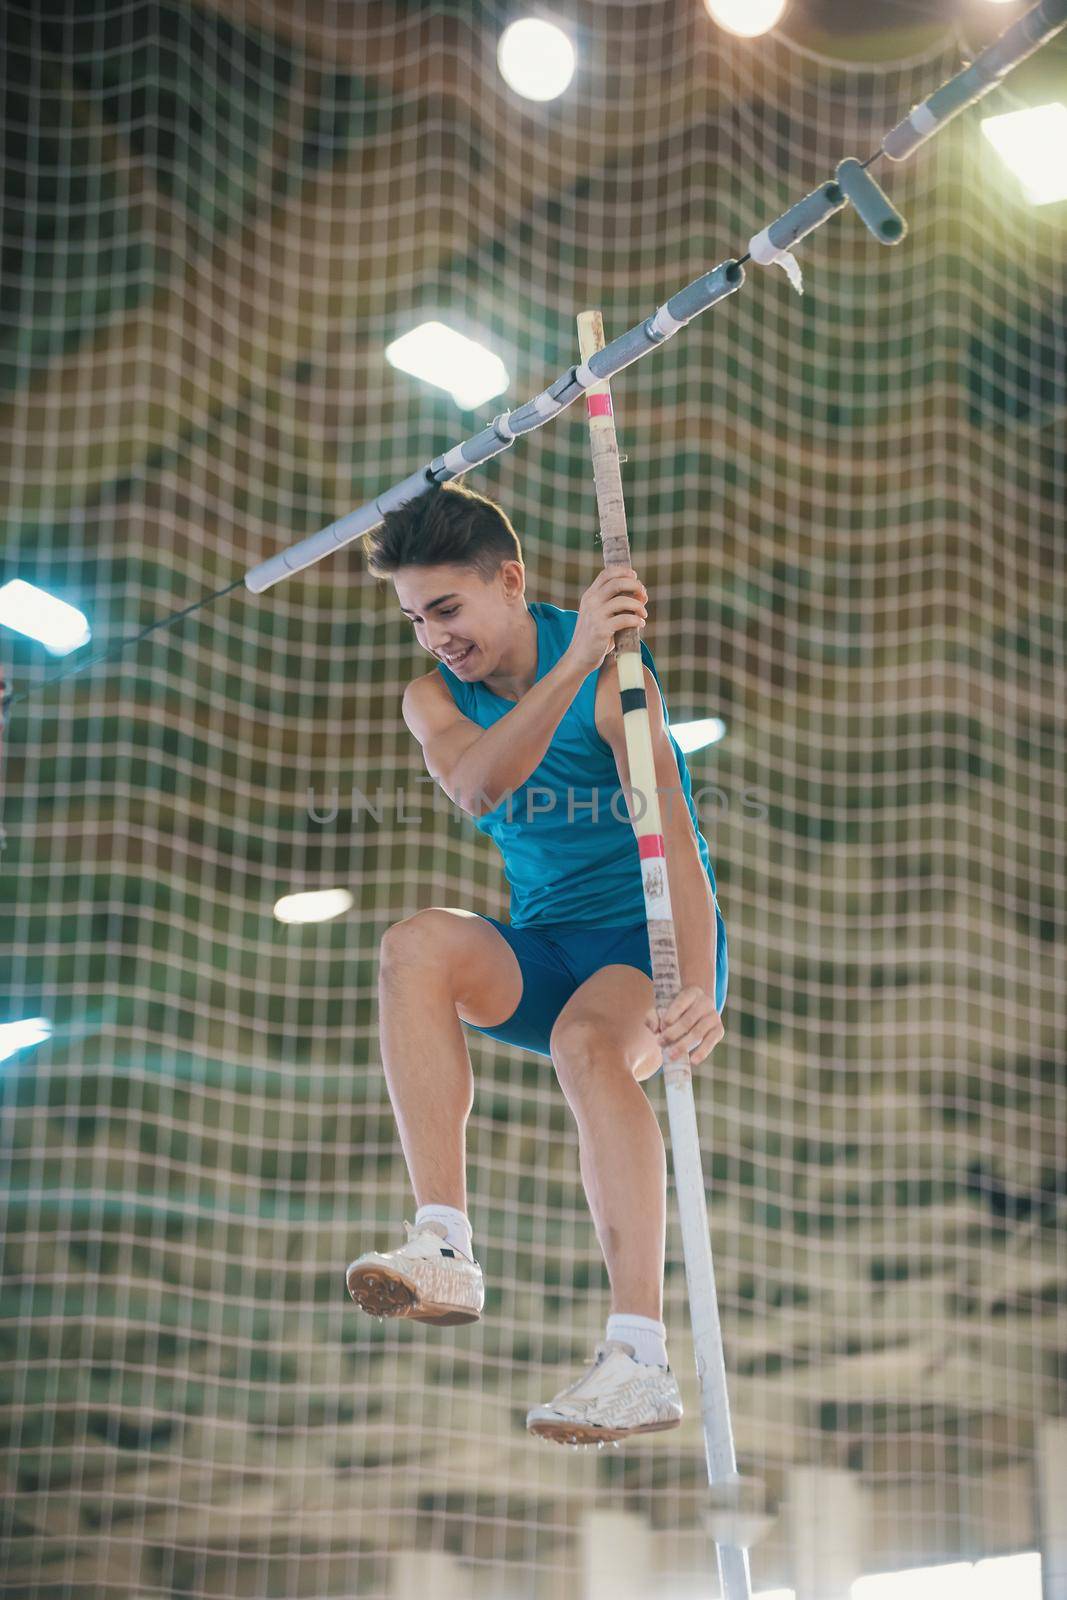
point(416, 940)
point(579, 1042)
point(583, 1044)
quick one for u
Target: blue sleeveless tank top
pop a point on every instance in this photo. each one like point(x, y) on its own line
point(569, 848)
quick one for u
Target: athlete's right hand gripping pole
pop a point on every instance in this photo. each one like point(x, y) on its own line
point(734, 1578)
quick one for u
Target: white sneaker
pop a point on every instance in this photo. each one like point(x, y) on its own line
point(425, 1279)
point(615, 1397)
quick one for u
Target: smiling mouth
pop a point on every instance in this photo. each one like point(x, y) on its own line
point(457, 660)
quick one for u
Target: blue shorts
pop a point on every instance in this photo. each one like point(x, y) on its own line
point(556, 961)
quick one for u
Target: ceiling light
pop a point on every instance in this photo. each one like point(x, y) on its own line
point(315, 905)
point(535, 58)
point(695, 735)
point(17, 1035)
point(39, 615)
point(1032, 144)
point(746, 17)
point(449, 360)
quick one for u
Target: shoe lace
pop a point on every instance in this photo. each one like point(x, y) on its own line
point(600, 1354)
point(425, 1227)
point(422, 1227)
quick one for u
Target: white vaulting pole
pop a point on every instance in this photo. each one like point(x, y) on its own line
point(685, 1142)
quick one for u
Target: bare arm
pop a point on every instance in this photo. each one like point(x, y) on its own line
point(477, 767)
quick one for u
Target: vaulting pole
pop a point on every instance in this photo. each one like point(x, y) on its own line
point(734, 1578)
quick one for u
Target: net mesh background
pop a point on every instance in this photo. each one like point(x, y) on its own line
point(848, 510)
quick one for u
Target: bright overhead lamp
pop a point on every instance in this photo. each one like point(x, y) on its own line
point(315, 905)
point(748, 18)
point(696, 735)
point(40, 616)
point(1032, 143)
point(15, 1036)
point(535, 58)
point(449, 360)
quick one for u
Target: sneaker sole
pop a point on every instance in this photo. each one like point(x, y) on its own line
point(386, 1293)
point(582, 1433)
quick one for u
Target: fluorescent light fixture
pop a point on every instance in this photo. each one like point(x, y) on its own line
point(1032, 144)
point(316, 905)
point(39, 615)
point(746, 17)
point(695, 735)
point(1019, 1576)
point(449, 360)
point(948, 1582)
point(16, 1036)
point(535, 58)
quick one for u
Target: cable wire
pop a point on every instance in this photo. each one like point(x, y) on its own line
point(10, 698)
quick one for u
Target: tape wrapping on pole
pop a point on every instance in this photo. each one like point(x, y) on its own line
point(770, 247)
point(734, 1578)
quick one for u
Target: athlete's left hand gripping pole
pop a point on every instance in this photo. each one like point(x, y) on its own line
point(734, 1580)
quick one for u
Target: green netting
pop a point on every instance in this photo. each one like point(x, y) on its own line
point(848, 509)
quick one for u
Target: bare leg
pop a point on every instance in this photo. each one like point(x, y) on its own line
point(436, 966)
point(428, 1071)
point(624, 1172)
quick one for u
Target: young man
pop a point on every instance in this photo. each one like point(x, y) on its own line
point(520, 723)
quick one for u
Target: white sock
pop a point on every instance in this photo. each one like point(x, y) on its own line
point(459, 1229)
point(647, 1336)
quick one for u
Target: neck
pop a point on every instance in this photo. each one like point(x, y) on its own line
point(517, 671)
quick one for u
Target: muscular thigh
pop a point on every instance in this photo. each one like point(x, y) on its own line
point(610, 1007)
point(484, 971)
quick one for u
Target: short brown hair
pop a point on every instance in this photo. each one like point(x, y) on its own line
point(448, 525)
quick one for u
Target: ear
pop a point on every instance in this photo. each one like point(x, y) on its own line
point(512, 575)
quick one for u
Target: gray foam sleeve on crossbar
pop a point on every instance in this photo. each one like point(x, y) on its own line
point(870, 202)
point(636, 342)
point(807, 215)
point(695, 297)
point(987, 69)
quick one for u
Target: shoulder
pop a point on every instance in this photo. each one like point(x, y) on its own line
point(554, 617)
point(425, 698)
point(428, 686)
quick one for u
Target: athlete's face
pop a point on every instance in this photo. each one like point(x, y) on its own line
point(458, 617)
